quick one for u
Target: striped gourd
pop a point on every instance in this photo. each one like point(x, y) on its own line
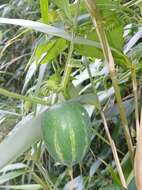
point(66, 132)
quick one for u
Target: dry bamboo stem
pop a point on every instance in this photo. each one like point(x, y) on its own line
point(114, 151)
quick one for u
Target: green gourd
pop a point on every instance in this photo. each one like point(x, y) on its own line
point(66, 132)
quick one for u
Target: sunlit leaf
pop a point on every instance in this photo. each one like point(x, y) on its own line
point(31, 71)
point(49, 50)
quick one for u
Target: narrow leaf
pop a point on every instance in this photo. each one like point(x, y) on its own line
point(31, 71)
point(49, 50)
point(23, 187)
point(25, 133)
point(11, 167)
point(6, 177)
point(64, 5)
point(47, 29)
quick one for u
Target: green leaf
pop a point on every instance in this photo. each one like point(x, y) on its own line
point(90, 45)
point(23, 187)
point(64, 5)
point(107, 6)
point(49, 50)
point(126, 164)
point(13, 167)
point(30, 73)
point(114, 32)
point(50, 30)
point(115, 178)
point(89, 99)
point(113, 173)
point(25, 133)
point(1, 34)
point(91, 51)
point(11, 175)
point(132, 185)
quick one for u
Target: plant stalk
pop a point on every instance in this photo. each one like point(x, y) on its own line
point(44, 11)
point(68, 67)
point(20, 97)
point(135, 92)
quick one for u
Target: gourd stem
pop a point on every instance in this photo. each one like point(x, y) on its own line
point(20, 97)
point(96, 18)
point(44, 11)
point(68, 67)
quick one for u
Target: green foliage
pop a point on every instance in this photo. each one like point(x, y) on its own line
point(33, 61)
point(49, 50)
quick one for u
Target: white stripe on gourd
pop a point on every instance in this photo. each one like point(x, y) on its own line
point(57, 147)
point(72, 140)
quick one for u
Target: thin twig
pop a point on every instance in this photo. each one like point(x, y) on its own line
point(115, 155)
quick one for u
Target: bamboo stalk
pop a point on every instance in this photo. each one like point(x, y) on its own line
point(93, 10)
